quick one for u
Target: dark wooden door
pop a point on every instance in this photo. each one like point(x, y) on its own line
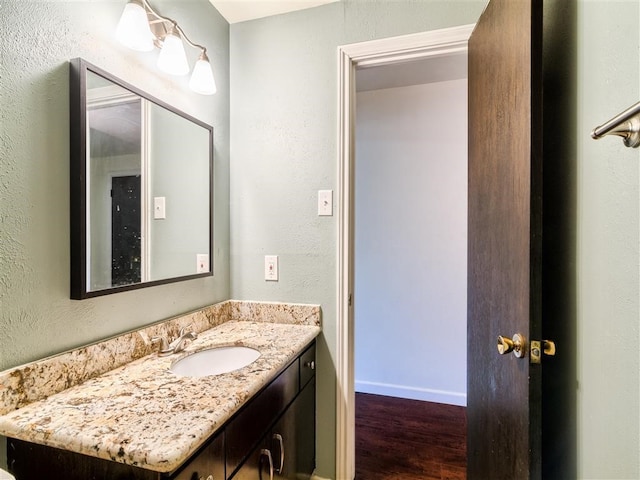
point(504, 247)
point(125, 231)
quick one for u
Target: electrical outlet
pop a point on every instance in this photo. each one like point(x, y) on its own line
point(271, 268)
point(202, 263)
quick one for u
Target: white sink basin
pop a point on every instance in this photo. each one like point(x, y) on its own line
point(6, 475)
point(215, 361)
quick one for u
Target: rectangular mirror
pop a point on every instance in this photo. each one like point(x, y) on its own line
point(141, 188)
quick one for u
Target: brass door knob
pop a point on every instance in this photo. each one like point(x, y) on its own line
point(517, 345)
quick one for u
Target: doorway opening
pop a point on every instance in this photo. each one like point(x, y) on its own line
point(410, 291)
point(439, 47)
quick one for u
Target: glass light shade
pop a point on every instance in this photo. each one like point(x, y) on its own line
point(202, 80)
point(133, 28)
point(172, 58)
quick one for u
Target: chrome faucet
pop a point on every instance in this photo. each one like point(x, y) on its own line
point(175, 346)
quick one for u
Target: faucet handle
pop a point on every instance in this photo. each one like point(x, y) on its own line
point(183, 330)
point(164, 343)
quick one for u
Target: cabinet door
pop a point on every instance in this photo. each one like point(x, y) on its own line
point(254, 420)
point(282, 441)
point(259, 465)
point(288, 449)
point(208, 464)
point(305, 432)
point(293, 437)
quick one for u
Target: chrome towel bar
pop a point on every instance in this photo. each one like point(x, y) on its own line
point(625, 125)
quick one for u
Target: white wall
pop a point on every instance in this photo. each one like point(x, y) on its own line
point(411, 242)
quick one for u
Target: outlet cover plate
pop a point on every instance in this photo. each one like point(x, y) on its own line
point(271, 268)
point(202, 263)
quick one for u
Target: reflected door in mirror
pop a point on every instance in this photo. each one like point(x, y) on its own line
point(125, 230)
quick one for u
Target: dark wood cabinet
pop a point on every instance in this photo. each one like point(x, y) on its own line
point(32, 461)
point(256, 417)
point(28, 461)
point(206, 464)
point(287, 449)
point(305, 427)
point(278, 422)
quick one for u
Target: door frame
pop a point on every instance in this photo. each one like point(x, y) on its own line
point(351, 57)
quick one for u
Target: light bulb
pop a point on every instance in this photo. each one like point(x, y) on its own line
point(202, 80)
point(133, 28)
point(172, 58)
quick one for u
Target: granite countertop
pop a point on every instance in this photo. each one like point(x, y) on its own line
point(144, 415)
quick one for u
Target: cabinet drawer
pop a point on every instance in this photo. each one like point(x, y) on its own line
point(252, 422)
point(307, 365)
point(30, 461)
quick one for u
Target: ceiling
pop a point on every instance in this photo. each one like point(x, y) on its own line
point(415, 72)
point(235, 11)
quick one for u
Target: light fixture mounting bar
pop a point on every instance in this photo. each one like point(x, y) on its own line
point(163, 21)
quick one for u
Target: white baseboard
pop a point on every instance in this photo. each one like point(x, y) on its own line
point(413, 393)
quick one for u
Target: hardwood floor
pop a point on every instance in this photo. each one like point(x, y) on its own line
point(399, 439)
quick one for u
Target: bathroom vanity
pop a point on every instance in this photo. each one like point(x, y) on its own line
point(141, 421)
point(272, 436)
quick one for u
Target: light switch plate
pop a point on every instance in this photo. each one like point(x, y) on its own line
point(271, 268)
point(325, 202)
point(159, 208)
point(202, 263)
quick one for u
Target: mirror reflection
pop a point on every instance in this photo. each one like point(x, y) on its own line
point(148, 190)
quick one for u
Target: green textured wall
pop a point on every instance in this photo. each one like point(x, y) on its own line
point(608, 263)
point(38, 38)
point(284, 147)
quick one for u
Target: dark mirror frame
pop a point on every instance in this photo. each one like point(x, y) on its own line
point(78, 180)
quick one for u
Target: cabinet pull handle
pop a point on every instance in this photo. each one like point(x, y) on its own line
point(278, 437)
point(311, 364)
point(266, 453)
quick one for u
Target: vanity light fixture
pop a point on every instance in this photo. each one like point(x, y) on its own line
point(172, 58)
point(141, 28)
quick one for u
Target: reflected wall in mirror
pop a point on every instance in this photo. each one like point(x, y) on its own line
point(141, 188)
